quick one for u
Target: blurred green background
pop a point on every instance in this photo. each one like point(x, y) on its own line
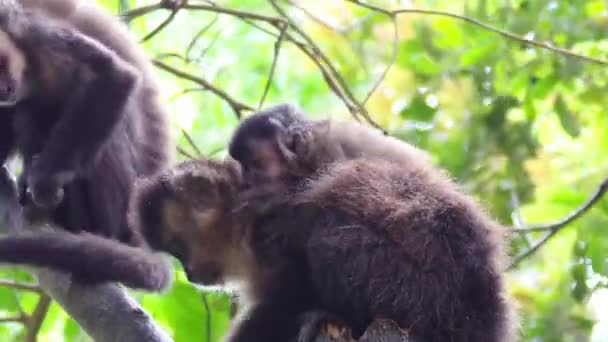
point(523, 128)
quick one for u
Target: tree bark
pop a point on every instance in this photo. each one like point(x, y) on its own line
point(105, 312)
point(381, 330)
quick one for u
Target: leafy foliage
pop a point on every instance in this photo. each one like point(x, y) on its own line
point(523, 128)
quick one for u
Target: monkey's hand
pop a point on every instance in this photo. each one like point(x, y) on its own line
point(46, 185)
point(319, 322)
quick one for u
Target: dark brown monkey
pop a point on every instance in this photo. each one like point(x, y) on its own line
point(195, 212)
point(391, 237)
point(361, 239)
point(78, 102)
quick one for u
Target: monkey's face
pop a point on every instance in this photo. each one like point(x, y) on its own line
point(187, 213)
point(202, 239)
point(12, 71)
point(273, 146)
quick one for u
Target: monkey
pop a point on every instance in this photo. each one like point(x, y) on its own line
point(194, 212)
point(386, 210)
point(280, 137)
point(87, 257)
point(81, 107)
point(361, 239)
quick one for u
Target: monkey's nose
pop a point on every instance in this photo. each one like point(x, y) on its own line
point(7, 91)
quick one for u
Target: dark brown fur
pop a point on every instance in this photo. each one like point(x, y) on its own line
point(387, 228)
point(195, 213)
point(362, 239)
point(81, 107)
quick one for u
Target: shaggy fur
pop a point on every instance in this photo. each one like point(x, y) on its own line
point(385, 233)
point(80, 105)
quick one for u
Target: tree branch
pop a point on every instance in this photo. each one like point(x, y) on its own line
point(353, 104)
point(104, 311)
point(20, 286)
point(275, 60)
point(237, 106)
point(34, 322)
point(555, 227)
point(486, 27)
point(162, 25)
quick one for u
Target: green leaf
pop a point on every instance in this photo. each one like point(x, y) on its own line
point(595, 8)
point(413, 55)
point(418, 110)
point(477, 54)
point(568, 121)
point(579, 274)
point(449, 34)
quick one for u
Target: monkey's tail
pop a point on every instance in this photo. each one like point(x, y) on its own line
point(89, 258)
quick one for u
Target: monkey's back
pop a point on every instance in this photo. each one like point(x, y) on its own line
point(405, 243)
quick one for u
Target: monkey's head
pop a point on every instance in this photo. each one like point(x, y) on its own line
point(12, 71)
point(278, 144)
point(13, 60)
point(187, 212)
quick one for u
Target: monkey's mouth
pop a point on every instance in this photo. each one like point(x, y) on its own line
point(205, 278)
point(10, 102)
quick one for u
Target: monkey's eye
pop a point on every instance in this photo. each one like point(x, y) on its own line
point(256, 163)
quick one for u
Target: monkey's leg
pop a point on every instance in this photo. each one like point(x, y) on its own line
point(7, 136)
point(277, 305)
point(359, 273)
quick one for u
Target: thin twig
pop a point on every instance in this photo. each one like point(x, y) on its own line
point(20, 286)
point(16, 319)
point(140, 11)
point(504, 33)
point(394, 54)
point(192, 143)
point(208, 47)
point(34, 322)
point(316, 51)
point(162, 25)
point(198, 35)
point(237, 106)
point(234, 12)
point(357, 107)
point(275, 60)
point(208, 312)
point(185, 92)
point(184, 153)
point(556, 227)
point(314, 18)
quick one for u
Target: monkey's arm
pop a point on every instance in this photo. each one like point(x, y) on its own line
point(90, 115)
point(91, 259)
point(274, 316)
point(7, 138)
point(266, 321)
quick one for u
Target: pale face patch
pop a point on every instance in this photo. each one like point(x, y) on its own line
point(12, 72)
